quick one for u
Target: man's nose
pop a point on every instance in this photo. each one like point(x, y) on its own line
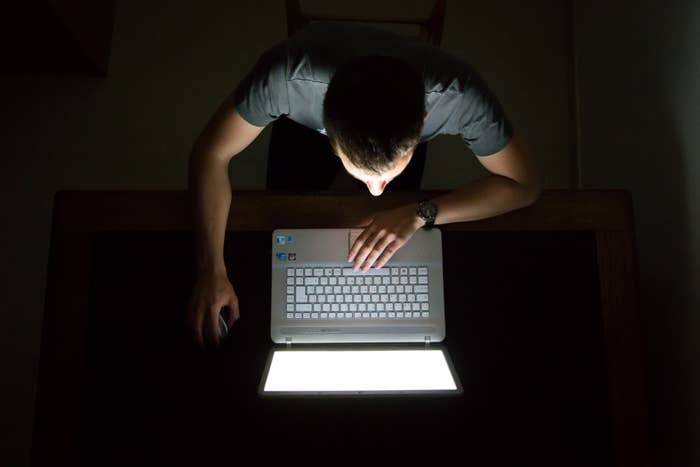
point(376, 188)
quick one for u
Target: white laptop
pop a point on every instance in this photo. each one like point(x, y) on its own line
point(346, 332)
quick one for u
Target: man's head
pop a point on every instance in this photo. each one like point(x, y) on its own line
point(373, 113)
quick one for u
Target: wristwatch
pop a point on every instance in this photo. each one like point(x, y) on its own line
point(428, 212)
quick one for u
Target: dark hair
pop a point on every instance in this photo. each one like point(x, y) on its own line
point(373, 110)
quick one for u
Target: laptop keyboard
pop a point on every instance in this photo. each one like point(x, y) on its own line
point(340, 293)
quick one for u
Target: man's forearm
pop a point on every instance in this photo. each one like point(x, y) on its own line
point(210, 190)
point(483, 198)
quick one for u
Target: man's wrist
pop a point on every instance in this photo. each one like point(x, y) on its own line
point(211, 268)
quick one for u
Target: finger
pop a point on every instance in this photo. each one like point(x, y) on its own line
point(359, 241)
point(377, 251)
point(389, 251)
point(196, 323)
point(367, 248)
point(234, 312)
point(214, 323)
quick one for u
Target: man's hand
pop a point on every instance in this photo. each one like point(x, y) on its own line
point(386, 233)
point(211, 292)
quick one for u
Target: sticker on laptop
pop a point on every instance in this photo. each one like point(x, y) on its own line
point(292, 256)
point(281, 239)
point(282, 256)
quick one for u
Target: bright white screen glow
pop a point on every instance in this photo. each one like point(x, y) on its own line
point(358, 370)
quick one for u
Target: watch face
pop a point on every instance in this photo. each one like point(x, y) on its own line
point(428, 210)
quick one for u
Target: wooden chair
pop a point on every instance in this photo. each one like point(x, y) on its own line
point(430, 27)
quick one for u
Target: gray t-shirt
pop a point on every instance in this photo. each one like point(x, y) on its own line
point(291, 79)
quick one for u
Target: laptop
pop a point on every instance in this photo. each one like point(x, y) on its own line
point(345, 332)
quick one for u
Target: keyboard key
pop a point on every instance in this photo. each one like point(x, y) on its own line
point(317, 307)
point(318, 272)
point(412, 271)
point(306, 315)
point(413, 280)
point(416, 314)
point(424, 306)
point(332, 316)
point(290, 281)
point(290, 271)
point(420, 289)
point(314, 315)
point(425, 314)
point(290, 315)
point(324, 315)
point(303, 307)
point(423, 271)
point(290, 307)
point(423, 279)
point(297, 315)
point(422, 297)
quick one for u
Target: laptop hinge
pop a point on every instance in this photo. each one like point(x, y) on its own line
point(427, 341)
point(288, 341)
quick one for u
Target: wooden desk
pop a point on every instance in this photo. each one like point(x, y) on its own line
point(557, 366)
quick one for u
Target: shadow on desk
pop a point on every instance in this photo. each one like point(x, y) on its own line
point(527, 331)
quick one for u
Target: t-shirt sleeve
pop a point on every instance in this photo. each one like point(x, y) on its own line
point(261, 96)
point(483, 124)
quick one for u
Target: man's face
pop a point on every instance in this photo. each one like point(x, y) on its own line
point(376, 183)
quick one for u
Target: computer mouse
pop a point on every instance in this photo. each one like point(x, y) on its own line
point(223, 327)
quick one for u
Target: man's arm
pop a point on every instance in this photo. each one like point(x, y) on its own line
point(515, 182)
point(226, 135)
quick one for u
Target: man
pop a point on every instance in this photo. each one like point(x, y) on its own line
point(375, 95)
